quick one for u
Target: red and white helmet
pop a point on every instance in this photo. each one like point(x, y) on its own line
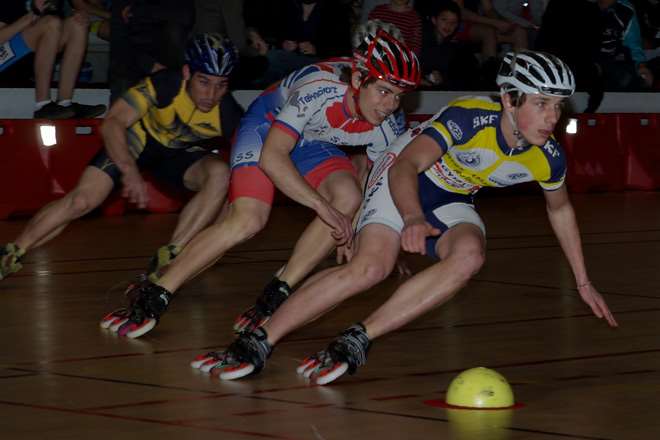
point(382, 56)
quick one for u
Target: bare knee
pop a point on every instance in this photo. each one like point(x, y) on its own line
point(76, 26)
point(468, 262)
point(79, 204)
point(216, 177)
point(50, 26)
point(367, 272)
point(347, 200)
point(247, 222)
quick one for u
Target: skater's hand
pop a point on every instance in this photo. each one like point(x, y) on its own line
point(342, 227)
point(134, 188)
point(402, 268)
point(598, 305)
point(344, 253)
point(415, 231)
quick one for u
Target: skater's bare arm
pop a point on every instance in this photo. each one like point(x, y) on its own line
point(418, 156)
point(119, 118)
point(562, 218)
point(277, 164)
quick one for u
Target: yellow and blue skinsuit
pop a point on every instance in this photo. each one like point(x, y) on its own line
point(168, 115)
point(477, 155)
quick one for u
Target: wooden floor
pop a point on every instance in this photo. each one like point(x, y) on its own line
point(62, 377)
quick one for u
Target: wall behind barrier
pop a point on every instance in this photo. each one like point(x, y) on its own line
point(19, 103)
point(42, 160)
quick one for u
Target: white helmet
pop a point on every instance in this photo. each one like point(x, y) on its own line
point(533, 72)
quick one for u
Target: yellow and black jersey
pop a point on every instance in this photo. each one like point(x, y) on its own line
point(477, 155)
point(169, 116)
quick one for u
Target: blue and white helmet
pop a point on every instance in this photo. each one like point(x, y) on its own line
point(211, 54)
point(532, 72)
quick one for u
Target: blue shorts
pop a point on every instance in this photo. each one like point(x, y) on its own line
point(314, 160)
point(442, 209)
point(13, 50)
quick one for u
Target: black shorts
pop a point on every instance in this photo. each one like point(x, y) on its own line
point(167, 165)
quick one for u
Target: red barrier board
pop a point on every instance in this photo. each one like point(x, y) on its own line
point(24, 170)
point(639, 136)
point(33, 173)
point(595, 158)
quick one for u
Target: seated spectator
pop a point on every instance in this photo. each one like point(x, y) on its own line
point(99, 14)
point(622, 60)
point(579, 53)
point(270, 62)
point(366, 6)
point(448, 64)
point(482, 25)
point(316, 28)
point(648, 15)
point(43, 31)
point(147, 36)
point(401, 14)
point(526, 14)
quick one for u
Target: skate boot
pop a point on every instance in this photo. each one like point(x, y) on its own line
point(343, 355)
point(246, 355)
point(147, 302)
point(274, 294)
point(10, 259)
point(162, 258)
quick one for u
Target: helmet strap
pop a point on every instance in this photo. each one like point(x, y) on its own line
point(356, 92)
point(513, 117)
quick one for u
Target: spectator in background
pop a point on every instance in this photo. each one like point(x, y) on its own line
point(483, 25)
point(368, 5)
point(42, 30)
point(268, 62)
point(316, 28)
point(648, 15)
point(147, 36)
point(447, 63)
point(99, 13)
point(262, 15)
point(224, 17)
point(579, 53)
point(526, 14)
point(401, 14)
point(621, 60)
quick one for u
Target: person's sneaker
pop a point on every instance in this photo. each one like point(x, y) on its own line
point(53, 110)
point(83, 111)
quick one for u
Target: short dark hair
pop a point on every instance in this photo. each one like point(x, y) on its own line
point(346, 74)
point(446, 5)
point(518, 98)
